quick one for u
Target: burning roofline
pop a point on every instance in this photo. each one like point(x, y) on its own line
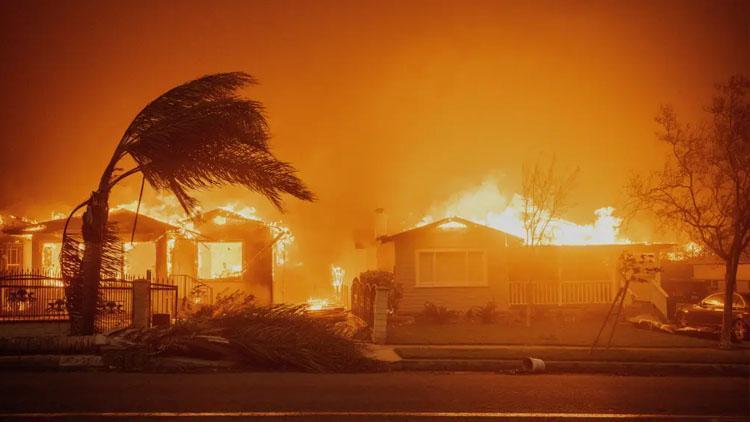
point(448, 220)
point(56, 225)
point(518, 240)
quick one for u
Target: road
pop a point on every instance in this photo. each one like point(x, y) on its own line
point(390, 396)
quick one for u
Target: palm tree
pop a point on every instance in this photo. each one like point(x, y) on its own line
point(195, 136)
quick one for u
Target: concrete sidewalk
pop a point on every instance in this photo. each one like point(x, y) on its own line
point(566, 359)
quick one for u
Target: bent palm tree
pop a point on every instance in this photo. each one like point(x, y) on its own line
point(195, 136)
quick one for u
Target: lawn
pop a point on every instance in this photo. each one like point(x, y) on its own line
point(551, 333)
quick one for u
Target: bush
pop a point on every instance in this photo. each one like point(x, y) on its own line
point(437, 314)
point(384, 279)
point(486, 314)
point(279, 337)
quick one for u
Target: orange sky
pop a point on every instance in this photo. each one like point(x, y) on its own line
point(379, 104)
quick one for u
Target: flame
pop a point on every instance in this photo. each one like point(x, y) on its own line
point(219, 259)
point(337, 277)
point(51, 256)
point(243, 210)
point(57, 215)
point(685, 251)
point(316, 304)
point(488, 206)
point(170, 253)
point(167, 209)
point(283, 243)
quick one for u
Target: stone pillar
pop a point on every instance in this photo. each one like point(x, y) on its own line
point(141, 304)
point(380, 318)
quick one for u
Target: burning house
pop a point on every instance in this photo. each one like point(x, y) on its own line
point(214, 252)
point(145, 256)
point(228, 252)
point(15, 251)
point(460, 264)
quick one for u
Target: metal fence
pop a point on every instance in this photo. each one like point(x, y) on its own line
point(39, 296)
point(192, 290)
point(164, 300)
point(31, 296)
point(115, 305)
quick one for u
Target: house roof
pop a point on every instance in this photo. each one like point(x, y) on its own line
point(123, 218)
point(517, 240)
point(455, 222)
point(210, 216)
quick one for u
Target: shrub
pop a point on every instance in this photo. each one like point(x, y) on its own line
point(384, 279)
point(437, 314)
point(486, 314)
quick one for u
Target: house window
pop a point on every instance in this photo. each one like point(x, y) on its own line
point(219, 259)
point(11, 255)
point(451, 268)
point(51, 257)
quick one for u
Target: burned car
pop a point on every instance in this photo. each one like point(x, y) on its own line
point(709, 313)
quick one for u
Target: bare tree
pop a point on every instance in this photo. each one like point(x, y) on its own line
point(704, 186)
point(195, 136)
point(546, 197)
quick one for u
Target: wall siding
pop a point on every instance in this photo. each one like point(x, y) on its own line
point(456, 298)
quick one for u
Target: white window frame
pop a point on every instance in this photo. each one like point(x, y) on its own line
point(13, 250)
point(458, 283)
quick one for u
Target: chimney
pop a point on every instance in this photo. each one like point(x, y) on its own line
point(381, 223)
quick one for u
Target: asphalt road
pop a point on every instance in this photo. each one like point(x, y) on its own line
point(390, 396)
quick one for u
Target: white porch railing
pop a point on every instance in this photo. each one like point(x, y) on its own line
point(567, 292)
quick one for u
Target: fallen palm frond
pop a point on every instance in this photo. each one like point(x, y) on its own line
point(276, 337)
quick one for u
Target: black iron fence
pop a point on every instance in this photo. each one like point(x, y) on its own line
point(164, 303)
point(193, 292)
point(31, 296)
point(39, 296)
point(115, 305)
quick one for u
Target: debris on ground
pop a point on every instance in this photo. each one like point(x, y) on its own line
point(276, 337)
point(648, 322)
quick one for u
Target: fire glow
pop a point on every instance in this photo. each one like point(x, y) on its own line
point(168, 210)
point(487, 205)
point(317, 304)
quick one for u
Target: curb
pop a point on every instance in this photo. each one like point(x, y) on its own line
point(182, 365)
point(47, 362)
point(95, 362)
point(581, 367)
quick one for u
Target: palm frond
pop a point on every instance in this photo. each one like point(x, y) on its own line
point(275, 337)
point(202, 134)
